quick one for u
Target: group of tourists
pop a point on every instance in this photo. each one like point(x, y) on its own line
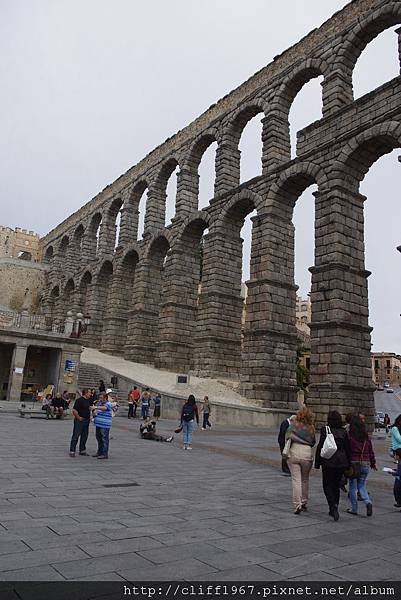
point(101, 406)
point(56, 405)
point(145, 402)
point(344, 453)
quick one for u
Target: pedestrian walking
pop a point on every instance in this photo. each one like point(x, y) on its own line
point(206, 410)
point(333, 468)
point(157, 401)
point(145, 403)
point(103, 418)
point(281, 442)
point(102, 386)
point(81, 413)
point(396, 435)
point(301, 437)
point(362, 459)
point(386, 422)
point(189, 413)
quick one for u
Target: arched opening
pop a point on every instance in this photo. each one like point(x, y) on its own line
point(377, 64)
point(120, 304)
point(84, 291)
point(68, 297)
point(142, 202)
point(179, 301)
point(54, 302)
point(171, 194)
point(306, 108)
point(114, 220)
point(77, 243)
point(206, 170)
point(382, 236)
point(62, 253)
point(100, 301)
point(250, 146)
point(157, 276)
point(24, 255)
point(49, 254)
point(90, 242)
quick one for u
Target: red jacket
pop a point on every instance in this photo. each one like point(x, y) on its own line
point(362, 451)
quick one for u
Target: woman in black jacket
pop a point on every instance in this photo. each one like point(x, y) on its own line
point(333, 468)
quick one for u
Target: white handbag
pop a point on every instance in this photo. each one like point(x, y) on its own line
point(286, 450)
point(329, 445)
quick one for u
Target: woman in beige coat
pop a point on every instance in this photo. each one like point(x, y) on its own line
point(301, 434)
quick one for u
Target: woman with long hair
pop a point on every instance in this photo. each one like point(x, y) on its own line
point(301, 433)
point(333, 468)
point(362, 458)
point(189, 413)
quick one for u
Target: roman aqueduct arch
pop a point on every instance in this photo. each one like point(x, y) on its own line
point(173, 297)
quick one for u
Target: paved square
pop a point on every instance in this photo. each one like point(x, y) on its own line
point(155, 512)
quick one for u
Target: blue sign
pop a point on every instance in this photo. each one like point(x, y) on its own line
point(70, 366)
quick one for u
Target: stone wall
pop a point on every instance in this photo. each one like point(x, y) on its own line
point(143, 298)
point(13, 242)
point(22, 284)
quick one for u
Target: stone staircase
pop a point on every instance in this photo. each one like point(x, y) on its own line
point(90, 376)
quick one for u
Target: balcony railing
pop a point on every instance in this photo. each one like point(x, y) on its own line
point(39, 323)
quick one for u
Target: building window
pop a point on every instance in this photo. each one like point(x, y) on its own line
point(387, 364)
point(376, 364)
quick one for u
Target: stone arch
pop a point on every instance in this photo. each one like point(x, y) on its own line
point(84, 289)
point(276, 131)
point(75, 250)
point(63, 248)
point(230, 154)
point(293, 181)
point(120, 302)
point(91, 237)
point(241, 204)
point(111, 225)
point(98, 301)
point(159, 188)
point(361, 35)
point(363, 150)
point(134, 213)
point(179, 299)
point(49, 254)
point(189, 181)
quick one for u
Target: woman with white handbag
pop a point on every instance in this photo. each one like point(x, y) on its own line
point(300, 438)
point(333, 455)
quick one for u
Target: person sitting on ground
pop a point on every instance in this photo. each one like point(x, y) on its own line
point(147, 431)
point(66, 400)
point(57, 406)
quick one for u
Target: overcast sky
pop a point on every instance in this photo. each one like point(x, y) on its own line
point(89, 87)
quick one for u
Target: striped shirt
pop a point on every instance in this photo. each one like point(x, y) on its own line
point(103, 418)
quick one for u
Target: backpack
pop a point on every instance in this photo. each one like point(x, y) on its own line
point(188, 412)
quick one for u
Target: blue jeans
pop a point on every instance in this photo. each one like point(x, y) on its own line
point(359, 485)
point(81, 432)
point(102, 436)
point(145, 411)
point(206, 420)
point(187, 431)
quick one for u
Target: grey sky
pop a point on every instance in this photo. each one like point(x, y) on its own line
point(90, 87)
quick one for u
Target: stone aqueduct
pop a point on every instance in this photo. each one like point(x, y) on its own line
point(143, 297)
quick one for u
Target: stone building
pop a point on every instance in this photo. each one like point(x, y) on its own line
point(386, 368)
point(141, 291)
point(19, 243)
point(303, 315)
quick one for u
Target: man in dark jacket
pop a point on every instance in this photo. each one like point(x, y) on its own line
point(333, 468)
point(281, 442)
